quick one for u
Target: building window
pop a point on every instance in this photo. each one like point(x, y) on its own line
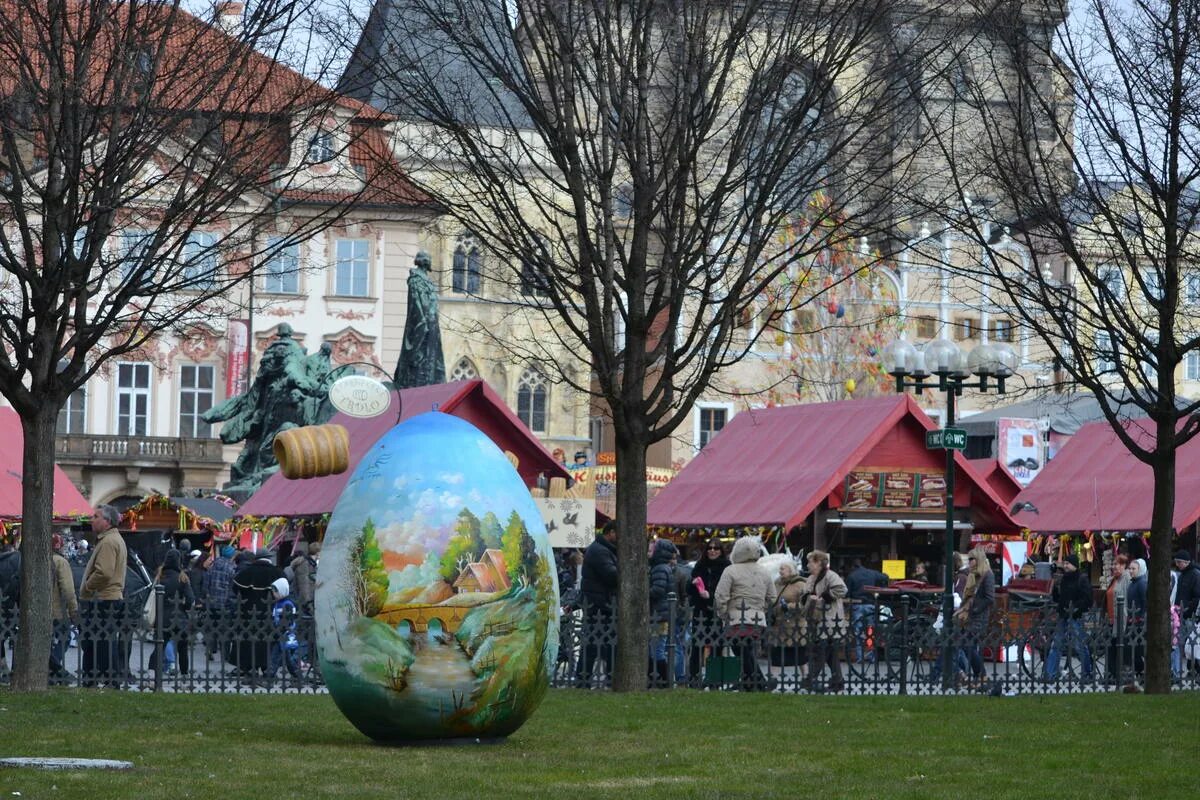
point(1153, 282)
point(199, 261)
point(1191, 290)
point(1106, 354)
point(281, 273)
point(710, 419)
point(533, 282)
point(320, 147)
point(1002, 330)
point(464, 370)
point(467, 274)
point(73, 415)
point(195, 397)
point(134, 244)
point(353, 268)
point(133, 399)
point(531, 401)
point(967, 328)
point(1191, 366)
point(927, 327)
point(1110, 277)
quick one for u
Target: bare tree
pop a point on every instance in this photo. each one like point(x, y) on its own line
point(144, 157)
point(631, 162)
point(1089, 139)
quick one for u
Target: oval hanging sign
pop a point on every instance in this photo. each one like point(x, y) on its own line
point(360, 396)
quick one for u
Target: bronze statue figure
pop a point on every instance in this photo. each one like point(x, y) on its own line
point(421, 362)
point(290, 390)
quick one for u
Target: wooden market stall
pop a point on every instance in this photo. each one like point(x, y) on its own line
point(853, 477)
point(1094, 497)
point(69, 506)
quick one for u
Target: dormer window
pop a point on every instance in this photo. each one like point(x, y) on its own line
point(320, 147)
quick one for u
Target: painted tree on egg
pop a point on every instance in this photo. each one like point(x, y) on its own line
point(368, 575)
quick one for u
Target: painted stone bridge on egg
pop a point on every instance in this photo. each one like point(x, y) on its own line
point(419, 616)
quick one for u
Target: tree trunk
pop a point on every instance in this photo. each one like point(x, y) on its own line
point(1158, 616)
point(633, 595)
point(32, 654)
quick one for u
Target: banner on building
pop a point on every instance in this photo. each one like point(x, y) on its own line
point(238, 354)
point(1019, 447)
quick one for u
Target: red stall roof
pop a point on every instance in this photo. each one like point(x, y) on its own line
point(774, 466)
point(473, 400)
point(1096, 484)
point(68, 502)
point(998, 477)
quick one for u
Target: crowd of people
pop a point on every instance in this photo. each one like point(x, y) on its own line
point(245, 606)
point(807, 616)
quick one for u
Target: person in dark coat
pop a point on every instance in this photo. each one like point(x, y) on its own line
point(598, 588)
point(1136, 596)
point(662, 584)
point(862, 608)
point(178, 598)
point(1187, 598)
point(706, 574)
point(252, 588)
point(683, 617)
point(195, 573)
point(1072, 595)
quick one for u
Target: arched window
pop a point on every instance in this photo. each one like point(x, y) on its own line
point(464, 370)
point(532, 401)
point(467, 275)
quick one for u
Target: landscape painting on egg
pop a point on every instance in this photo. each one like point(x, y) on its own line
point(437, 602)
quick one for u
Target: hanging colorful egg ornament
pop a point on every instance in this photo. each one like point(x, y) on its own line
point(437, 617)
point(851, 385)
point(832, 306)
point(841, 311)
point(780, 338)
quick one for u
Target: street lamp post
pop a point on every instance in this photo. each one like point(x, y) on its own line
point(943, 366)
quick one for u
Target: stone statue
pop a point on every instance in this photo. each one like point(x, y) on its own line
point(290, 390)
point(421, 362)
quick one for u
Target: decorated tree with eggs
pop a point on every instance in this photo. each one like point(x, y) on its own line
point(824, 324)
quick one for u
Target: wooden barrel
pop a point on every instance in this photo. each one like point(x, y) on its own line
point(312, 451)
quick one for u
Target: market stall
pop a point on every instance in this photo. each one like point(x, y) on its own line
point(69, 506)
point(853, 477)
point(1095, 498)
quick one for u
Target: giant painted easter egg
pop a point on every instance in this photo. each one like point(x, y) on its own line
point(437, 601)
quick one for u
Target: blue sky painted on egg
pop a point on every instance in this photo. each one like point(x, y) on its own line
point(420, 475)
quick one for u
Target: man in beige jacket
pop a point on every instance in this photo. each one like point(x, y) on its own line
point(102, 593)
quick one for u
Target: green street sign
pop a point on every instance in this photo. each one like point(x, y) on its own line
point(946, 439)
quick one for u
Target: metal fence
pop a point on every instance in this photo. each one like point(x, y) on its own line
point(891, 646)
point(897, 645)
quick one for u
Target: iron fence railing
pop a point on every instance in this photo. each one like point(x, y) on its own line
point(891, 646)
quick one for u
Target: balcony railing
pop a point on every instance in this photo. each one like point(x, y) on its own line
point(90, 448)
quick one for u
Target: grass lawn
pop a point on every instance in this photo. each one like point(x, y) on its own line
point(682, 744)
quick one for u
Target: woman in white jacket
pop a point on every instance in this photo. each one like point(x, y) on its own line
point(743, 595)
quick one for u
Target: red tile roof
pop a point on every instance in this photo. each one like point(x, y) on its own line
point(774, 466)
point(200, 70)
point(68, 502)
point(474, 401)
point(1096, 484)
